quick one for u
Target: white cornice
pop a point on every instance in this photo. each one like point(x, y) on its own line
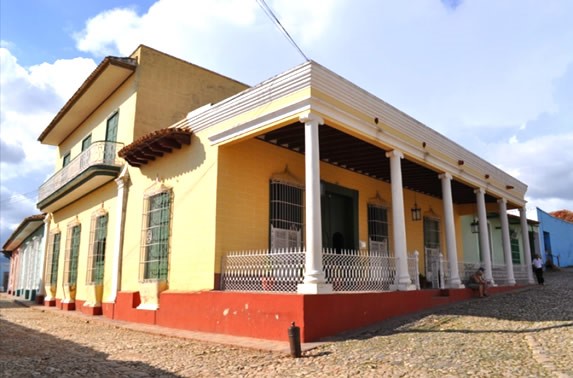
point(394, 129)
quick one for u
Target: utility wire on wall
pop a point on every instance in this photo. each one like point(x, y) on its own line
point(269, 12)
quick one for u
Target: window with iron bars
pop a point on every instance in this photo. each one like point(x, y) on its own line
point(72, 252)
point(286, 215)
point(53, 259)
point(515, 255)
point(96, 256)
point(155, 235)
point(432, 233)
point(378, 230)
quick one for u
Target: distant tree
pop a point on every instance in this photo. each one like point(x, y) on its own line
point(566, 215)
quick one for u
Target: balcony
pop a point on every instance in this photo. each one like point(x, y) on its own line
point(93, 168)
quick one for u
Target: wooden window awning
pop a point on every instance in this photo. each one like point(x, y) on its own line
point(154, 145)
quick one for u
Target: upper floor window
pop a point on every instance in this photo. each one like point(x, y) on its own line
point(67, 159)
point(72, 254)
point(111, 128)
point(286, 214)
point(86, 142)
point(378, 230)
point(156, 232)
point(96, 256)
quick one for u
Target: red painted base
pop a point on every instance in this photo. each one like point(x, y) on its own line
point(268, 315)
point(50, 303)
point(108, 310)
point(68, 306)
point(89, 310)
point(39, 299)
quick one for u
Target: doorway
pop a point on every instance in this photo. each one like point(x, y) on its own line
point(339, 208)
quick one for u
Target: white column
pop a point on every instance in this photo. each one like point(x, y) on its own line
point(505, 240)
point(451, 247)
point(314, 280)
point(484, 234)
point(525, 242)
point(43, 292)
point(403, 281)
point(119, 231)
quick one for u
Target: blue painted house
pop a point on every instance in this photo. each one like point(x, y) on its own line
point(555, 239)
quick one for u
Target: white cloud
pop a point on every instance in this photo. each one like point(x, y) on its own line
point(29, 99)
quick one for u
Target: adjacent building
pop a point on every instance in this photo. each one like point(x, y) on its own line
point(556, 240)
point(25, 249)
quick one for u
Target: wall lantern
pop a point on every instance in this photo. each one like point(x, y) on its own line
point(416, 212)
point(475, 226)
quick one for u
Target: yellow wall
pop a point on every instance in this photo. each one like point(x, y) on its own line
point(191, 173)
point(122, 101)
point(243, 198)
point(82, 211)
point(169, 88)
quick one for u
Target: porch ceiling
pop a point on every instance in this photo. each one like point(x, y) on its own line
point(348, 152)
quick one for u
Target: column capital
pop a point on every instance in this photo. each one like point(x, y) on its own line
point(445, 175)
point(123, 178)
point(395, 153)
point(522, 210)
point(502, 200)
point(48, 218)
point(479, 191)
point(310, 117)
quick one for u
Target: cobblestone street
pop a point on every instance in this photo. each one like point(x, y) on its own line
point(526, 333)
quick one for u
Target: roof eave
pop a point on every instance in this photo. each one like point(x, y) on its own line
point(129, 64)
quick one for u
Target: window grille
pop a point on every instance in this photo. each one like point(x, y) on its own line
point(72, 252)
point(515, 255)
point(53, 259)
point(286, 214)
point(432, 233)
point(377, 230)
point(96, 256)
point(155, 236)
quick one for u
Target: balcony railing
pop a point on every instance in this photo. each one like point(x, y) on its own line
point(283, 270)
point(100, 153)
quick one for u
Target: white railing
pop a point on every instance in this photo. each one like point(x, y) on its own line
point(262, 270)
point(97, 153)
point(356, 270)
point(413, 268)
point(283, 270)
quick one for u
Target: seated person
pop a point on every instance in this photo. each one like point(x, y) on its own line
point(477, 282)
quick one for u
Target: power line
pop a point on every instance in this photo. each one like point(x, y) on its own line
point(269, 12)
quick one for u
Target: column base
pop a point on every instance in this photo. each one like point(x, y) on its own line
point(456, 286)
point(315, 288)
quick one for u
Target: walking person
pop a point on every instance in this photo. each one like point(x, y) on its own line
point(538, 269)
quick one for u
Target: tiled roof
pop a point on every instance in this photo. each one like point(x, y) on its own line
point(154, 145)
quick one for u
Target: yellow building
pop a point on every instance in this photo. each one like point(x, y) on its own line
point(300, 186)
point(122, 100)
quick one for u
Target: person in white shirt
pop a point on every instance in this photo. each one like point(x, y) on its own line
point(538, 269)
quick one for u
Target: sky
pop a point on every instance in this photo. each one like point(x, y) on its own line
point(494, 76)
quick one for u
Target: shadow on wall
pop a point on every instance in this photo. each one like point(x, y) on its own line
point(178, 162)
